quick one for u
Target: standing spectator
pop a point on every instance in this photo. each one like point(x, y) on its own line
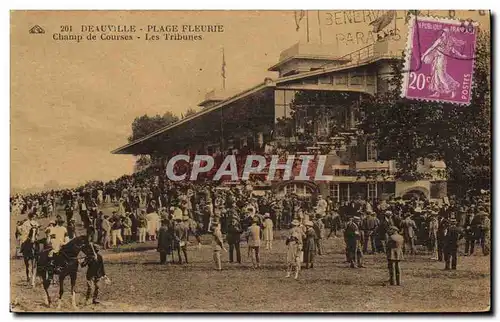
point(383, 228)
point(469, 234)
point(164, 241)
point(369, 226)
point(442, 232)
point(409, 227)
point(84, 216)
point(106, 232)
point(319, 229)
point(309, 244)
point(142, 226)
point(483, 230)
point(394, 255)
point(268, 231)
point(433, 234)
point(69, 211)
point(294, 249)
point(452, 236)
point(95, 273)
point(218, 244)
point(253, 240)
point(196, 230)
point(335, 222)
point(107, 195)
point(234, 239)
point(352, 238)
point(100, 196)
point(127, 228)
point(180, 238)
point(116, 232)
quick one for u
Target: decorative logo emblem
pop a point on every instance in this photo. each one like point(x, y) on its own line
point(36, 29)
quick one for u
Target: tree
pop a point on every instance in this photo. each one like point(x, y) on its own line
point(141, 163)
point(408, 130)
point(144, 125)
point(189, 112)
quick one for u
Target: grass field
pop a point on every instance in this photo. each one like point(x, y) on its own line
point(140, 284)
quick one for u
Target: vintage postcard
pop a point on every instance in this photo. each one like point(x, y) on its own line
point(250, 161)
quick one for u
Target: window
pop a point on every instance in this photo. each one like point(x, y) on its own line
point(326, 79)
point(299, 189)
point(282, 100)
point(372, 191)
point(335, 191)
point(356, 78)
point(370, 80)
point(301, 119)
point(310, 81)
point(341, 79)
point(344, 192)
point(371, 151)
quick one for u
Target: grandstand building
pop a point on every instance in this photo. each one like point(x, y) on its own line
point(311, 107)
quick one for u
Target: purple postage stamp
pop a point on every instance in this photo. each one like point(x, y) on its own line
point(439, 62)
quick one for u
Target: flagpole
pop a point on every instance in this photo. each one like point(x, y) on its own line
point(319, 26)
point(223, 70)
point(307, 24)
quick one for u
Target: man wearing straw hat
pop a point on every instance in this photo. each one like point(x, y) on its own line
point(253, 241)
point(395, 244)
point(218, 243)
point(181, 237)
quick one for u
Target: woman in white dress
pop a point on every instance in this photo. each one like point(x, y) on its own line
point(294, 249)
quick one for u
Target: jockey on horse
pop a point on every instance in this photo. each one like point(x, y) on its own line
point(57, 236)
point(28, 232)
point(25, 229)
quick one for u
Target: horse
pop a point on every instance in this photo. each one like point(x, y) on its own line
point(30, 250)
point(67, 259)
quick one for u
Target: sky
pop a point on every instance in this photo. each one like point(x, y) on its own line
point(73, 102)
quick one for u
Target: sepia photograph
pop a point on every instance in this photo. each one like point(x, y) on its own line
point(250, 161)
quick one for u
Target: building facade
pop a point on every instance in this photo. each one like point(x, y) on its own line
point(312, 107)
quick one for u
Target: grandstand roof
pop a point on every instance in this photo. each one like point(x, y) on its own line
point(132, 147)
point(137, 145)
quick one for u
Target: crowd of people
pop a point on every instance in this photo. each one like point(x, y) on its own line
point(150, 208)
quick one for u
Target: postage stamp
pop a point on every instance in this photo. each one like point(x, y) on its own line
point(440, 60)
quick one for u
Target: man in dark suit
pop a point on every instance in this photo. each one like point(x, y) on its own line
point(234, 238)
point(352, 237)
point(452, 236)
point(395, 244)
point(469, 234)
point(441, 236)
point(165, 238)
point(181, 238)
